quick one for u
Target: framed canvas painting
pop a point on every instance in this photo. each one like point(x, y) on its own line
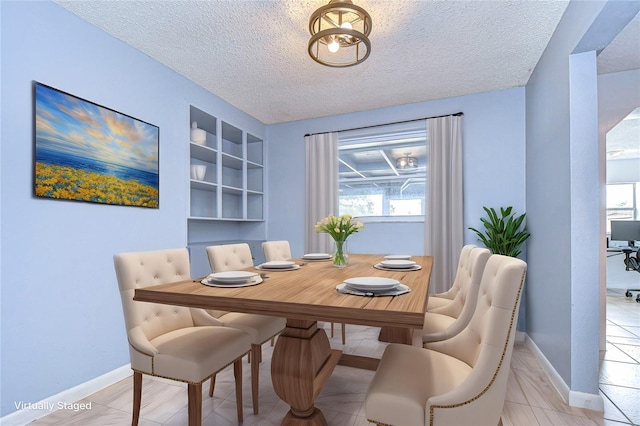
point(87, 152)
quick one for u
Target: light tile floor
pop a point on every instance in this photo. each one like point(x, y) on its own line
point(531, 398)
point(620, 363)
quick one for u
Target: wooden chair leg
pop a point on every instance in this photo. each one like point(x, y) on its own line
point(256, 350)
point(237, 374)
point(332, 330)
point(195, 404)
point(212, 385)
point(137, 397)
point(344, 333)
point(273, 340)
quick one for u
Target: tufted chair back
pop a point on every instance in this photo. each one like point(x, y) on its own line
point(441, 299)
point(229, 257)
point(276, 250)
point(468, 276)
point(463, 305)
point(146, 321)
point(486, 344)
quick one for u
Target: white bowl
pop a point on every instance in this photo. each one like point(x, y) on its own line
point(198, 172)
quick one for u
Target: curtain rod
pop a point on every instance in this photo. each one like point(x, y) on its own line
point(457, 114)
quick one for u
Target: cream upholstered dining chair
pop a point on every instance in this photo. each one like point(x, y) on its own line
point(448, 320)
point(174, 342)
point(461, 380)
point(442, 299)
point(233, 257)
point(281, 250)
point(276, 250)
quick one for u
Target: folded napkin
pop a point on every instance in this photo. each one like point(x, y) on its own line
point(400, 289)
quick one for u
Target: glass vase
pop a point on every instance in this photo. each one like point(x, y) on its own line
point(341, 254)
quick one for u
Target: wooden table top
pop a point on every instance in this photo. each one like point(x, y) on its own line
point(310, 293)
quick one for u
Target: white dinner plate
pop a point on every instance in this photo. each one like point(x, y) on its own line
point(278, 264)
point(397, 257)
point(232, 276)
point(396, 291)
point(402, 264)
point(289, 268)
point(213, 283)
point(372, 283)
point(415, 267)
point(316, 256)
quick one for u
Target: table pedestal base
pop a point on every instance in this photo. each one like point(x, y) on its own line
point(302, 362)
point(396, 335)
point(316, 418)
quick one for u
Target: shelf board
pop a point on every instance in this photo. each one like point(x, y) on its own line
point(231, 190)
point(252, 165)
point(203, 153)
point(222, 219)
point(203, 185)
point(231, 161)
point(203, 218)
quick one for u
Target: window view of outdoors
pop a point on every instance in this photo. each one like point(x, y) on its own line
point(383, 173)
point(622, 202)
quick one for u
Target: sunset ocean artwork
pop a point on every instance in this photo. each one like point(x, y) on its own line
point(86, 152)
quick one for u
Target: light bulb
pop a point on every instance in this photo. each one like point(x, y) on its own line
point(333, 46)
point(346, 25)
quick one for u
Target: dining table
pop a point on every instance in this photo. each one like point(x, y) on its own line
point(303, 359)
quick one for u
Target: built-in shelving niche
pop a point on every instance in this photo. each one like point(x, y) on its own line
point(232, 187)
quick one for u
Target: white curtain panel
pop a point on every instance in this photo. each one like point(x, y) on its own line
point(444, 234)
point(321, 197)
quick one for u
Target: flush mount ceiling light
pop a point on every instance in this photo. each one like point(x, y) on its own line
point(406, 162)
point(339, 34)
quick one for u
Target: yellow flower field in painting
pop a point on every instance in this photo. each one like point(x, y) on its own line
point(68, 183)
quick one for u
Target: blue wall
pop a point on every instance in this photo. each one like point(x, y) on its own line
point(562, 197)
point(61, 316)
point(493, 162)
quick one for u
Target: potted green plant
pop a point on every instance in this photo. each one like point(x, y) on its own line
point(504, 234)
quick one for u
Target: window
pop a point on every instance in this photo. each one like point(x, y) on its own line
point(622, 202)
point(382, 170)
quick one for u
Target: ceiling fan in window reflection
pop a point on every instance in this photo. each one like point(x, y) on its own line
point(407, 162)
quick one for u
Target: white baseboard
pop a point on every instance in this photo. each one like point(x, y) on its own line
point(586, 400)
point(572, 398)
point(27, 411)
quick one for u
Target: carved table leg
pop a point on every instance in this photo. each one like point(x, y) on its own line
point(301, 364)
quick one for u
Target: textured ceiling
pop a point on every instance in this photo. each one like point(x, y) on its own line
point(253, 54)
point(623, 141)
point(623, 53)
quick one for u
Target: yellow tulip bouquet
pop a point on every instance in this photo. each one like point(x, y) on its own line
point(339, 228)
